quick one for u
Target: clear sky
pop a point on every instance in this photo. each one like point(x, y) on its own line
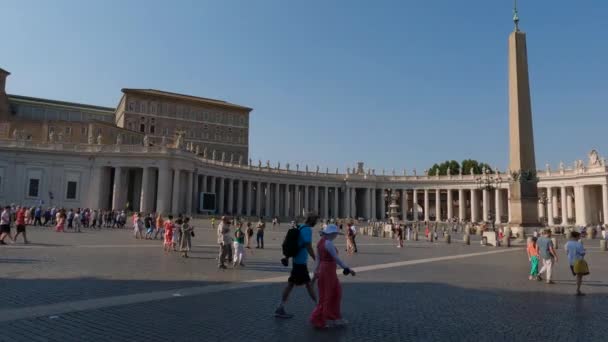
point(396, 84)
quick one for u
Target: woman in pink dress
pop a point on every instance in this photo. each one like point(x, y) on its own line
point(60, 221)
point(168, 243)
point(327, 312)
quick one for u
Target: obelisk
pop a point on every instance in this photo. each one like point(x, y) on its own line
point(522, 163)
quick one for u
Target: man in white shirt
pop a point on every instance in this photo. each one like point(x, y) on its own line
point(5, 225)
point(225, 241)
point(354, 230)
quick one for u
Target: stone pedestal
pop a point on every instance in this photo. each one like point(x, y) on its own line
point(467, 239)
point(447, 238)
point(603, 245)
point(491, 238)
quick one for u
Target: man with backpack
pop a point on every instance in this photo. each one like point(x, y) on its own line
point(299, 252)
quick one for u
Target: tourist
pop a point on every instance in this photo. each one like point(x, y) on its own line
point(399, 232)
point(350, 246)
point(159, 226)
point(327, 313)
point(38, 216)
point(249, 233)
point(576, 258)
point(77, 220)
point(533, 258)
point(547, 254)
point(299, 272)
point(20, 223)
point(148, 224)
point(409, 232)
point(260, 233)
point(225, 242)
point(5, 225)
point(138, 230)
point(168, 234)
point(239, 243)
point(275, 221)
point(60, 219)
point(353, 228)
point(70, 218)
point(213, 222)
point(177, 232)
point(187, 232)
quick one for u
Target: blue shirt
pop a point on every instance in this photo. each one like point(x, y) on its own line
point(305, 237)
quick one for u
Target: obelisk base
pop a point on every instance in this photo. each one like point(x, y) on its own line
point(524, 207)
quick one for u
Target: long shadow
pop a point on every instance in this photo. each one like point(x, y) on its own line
point(20, 261)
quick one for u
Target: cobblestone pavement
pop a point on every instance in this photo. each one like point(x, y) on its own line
point(107, 286)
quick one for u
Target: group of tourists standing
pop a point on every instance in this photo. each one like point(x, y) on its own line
point(232, 246)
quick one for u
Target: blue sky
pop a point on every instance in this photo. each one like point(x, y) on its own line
point(396, 84)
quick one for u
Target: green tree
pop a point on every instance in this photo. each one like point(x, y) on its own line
point(454, 167)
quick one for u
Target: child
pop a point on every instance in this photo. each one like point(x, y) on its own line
point(327, 312)
point(239, 243)
point(533, 257)
point(168, 243)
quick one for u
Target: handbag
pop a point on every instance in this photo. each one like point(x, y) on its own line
point(192, 234)
point(581, 267)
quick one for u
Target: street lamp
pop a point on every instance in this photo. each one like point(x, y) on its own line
point(544, 200)
point(390, 198)
point(489, 182)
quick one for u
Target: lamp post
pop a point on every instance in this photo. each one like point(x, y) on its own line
point(390, 198)
point(544, 200)
point(489, 182)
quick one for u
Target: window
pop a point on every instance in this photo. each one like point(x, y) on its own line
point(132, 106)
point(51, 129)
point(71, 190)
point(165, 131)
point(142, 128)
point(152, 129)
point(83, 130)
point(33, 187)
point(68, 131)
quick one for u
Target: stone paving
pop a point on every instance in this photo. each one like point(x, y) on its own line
point(107, 286)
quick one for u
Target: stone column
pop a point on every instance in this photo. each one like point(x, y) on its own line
point(204, 187)
point(296, 201)
point(143, 196)
point(175, 197)
point(474, 206)
point(604, 203)
point(346, 202)
point(426, 205)
point(509, 204)
point(212, 187)
point(580, 205)
point(336, 206)
point(450, 205)
point(221, 195)
point(437, 205)
point(249, 195)
point(163, 196)
point(267, 211)
point(258, 198)
point(404, 206)
point(497, 206)
point(353, 202)
point(277, 198)
point(239, 197)
point(95, 188)
point(550, 207)
point(189, 191)
point(195, 194)
point(287, 201)
point(415, 205)
point(368, 203)
point(564, 205)
point(306, 199)
point(117, 189)
point(485, 204)
point(554, 204)
point(230, 196)
point(570, 205)
point(325, 202)
point(315, 205)
point(462, 206)
point(382, 203)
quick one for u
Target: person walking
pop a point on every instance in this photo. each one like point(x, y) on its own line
point(533, 258)
point(168, 234)
point(138, 230)
point(20, 223)
point(299, 273)
point(187, 232)
point(38, 216)
point(249, 234)
point(327, 312)
point(354, 238)
point(148, 224)
point(239, 246)
point(159, 226)
point(350, 247)
point(60, 219)
point(225, 242)
point(576, 258)
point(260, 233)
point(547, 254)
point(5, 225)
point(177, 233)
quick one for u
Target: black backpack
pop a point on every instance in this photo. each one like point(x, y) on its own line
point(291, 245)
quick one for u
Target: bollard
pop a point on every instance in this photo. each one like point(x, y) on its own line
point(430, 236)
point(603, 245)
point(484, 241)
point(447, 238)
point(554, 240)
point(416, 236)
point(467, 239)
point(506, 242)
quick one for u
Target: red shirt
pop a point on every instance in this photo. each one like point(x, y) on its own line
point(20, 217)
point(168, 226)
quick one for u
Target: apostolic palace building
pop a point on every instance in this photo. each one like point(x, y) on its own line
point(173, 153)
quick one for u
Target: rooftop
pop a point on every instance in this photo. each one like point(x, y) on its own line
point(60, 103)
point(167, 94)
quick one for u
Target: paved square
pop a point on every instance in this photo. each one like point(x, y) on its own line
point(105, 285)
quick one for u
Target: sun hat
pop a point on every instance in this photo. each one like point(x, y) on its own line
point(330, 229)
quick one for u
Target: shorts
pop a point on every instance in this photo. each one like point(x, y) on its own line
point(20, 228)
point(5, 228)
point(299, 275)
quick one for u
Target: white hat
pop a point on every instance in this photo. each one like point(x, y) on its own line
point(330, 229)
